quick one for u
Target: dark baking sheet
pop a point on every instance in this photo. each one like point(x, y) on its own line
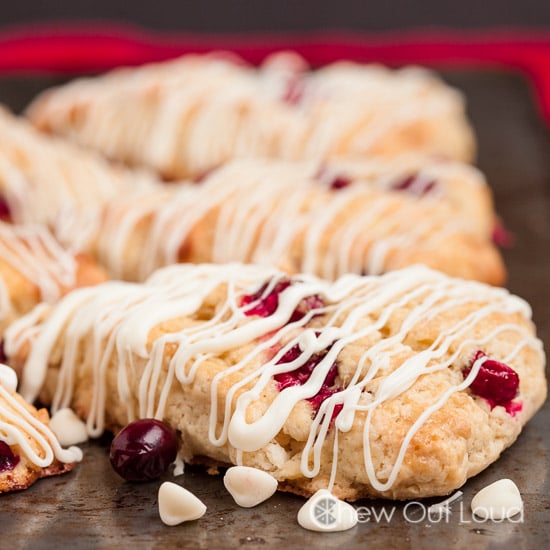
point(93, 508)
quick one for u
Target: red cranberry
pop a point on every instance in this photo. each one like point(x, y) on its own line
point(305, 306)
point(323, 394)
point(5, 211)
point(513, 407)
point(496, 382)
point(301, 375)
point(268, 304)
point(339, 182)
point(143, 450)
point(8, 460)
point(3, 357)
point(333, 181)
point(501, 236)
point(330, 179)
point(408, 184)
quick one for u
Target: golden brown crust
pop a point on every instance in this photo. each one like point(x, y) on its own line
point(88, 273)
point(26, 474)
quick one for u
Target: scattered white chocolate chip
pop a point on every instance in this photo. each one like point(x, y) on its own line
point(249, 486)
point(68, 428)
point(500, 500)
point(8, 378)
point(177, 504)
point(326, 513)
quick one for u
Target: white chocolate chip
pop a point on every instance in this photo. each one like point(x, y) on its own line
point(8, 378)
point(68, 428)
point(500, 500)
point(249, 486)
point(177, 504)
point(326, 513)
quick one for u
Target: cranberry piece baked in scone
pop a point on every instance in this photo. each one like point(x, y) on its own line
point(199, 111)
point(365, 217)
point(42, 176)
point(373, 386)
point(35, 268)
point(29, 450)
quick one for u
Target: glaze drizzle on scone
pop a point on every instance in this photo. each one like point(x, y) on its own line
point(34, 267)
point(198, 112)
point(330, 218)
point(34, 252)
point(290, 215)
point(182, 348)
point(41, 176)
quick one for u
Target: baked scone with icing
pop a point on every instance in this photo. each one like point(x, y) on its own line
point(42, 176)
point(29, 450)
point(363, 217)
point(35, 268)
point(199, 111)
point(401, 386)
point(302, 216)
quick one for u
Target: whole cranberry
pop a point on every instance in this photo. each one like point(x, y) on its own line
point(143, 450)
point(496, 382)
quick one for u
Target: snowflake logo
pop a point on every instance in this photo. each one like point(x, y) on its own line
point(324, 512)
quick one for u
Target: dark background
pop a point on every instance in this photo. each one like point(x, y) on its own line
point(285, 15)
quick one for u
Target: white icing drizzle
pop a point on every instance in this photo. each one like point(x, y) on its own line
point(18, 425)
point(281, 213)
point(114, 320)
point(42, 177)
point(36, 255)
point(8, 378)
point(198, 111)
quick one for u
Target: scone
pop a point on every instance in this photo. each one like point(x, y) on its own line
point(189, 115)
point(41, 176)
point(29, 450)
point(399, 386)
point(35, 268)
point(365, 217)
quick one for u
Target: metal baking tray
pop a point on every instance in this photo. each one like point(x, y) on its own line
point(93, 508)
